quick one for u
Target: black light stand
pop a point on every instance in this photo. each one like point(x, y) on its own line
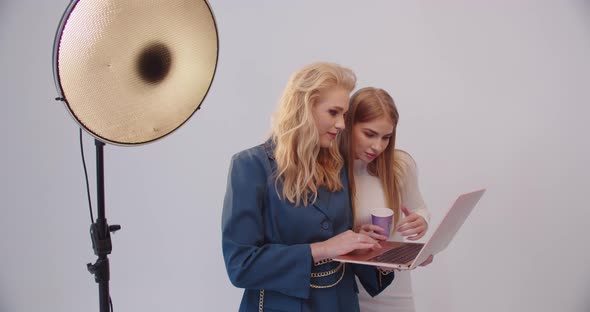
point(100, 233)
point(75, 72)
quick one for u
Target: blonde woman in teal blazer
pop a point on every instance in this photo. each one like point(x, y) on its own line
point(287, 208)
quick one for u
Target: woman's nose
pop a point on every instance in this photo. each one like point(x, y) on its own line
point(377, 146)
point(340, 123)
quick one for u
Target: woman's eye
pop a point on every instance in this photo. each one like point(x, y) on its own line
point(333, 112)
point(369, 135)
point(386, 138)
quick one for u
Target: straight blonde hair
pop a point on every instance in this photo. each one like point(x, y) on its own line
point(302, 166)
point(366, 105)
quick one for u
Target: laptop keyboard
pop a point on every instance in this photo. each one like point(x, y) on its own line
point(402, 254)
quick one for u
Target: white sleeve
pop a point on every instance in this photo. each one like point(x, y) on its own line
point(410, 192)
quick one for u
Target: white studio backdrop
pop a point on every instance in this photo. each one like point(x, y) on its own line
point(491, 94)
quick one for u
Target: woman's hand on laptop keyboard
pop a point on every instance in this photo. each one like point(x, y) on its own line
point(342, 244)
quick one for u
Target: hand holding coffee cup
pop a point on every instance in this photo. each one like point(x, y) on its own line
point(383, 218)
point(373, 231)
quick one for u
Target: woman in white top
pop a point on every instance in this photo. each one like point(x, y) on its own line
point(381, 176)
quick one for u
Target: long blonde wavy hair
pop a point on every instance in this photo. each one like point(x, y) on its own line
point(366, 105)
point(302, 166)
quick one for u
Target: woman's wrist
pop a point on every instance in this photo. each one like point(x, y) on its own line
point(318, 252)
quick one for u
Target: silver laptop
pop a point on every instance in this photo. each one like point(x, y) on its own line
point(407, 256)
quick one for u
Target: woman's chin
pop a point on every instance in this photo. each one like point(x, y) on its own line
point(327, 143)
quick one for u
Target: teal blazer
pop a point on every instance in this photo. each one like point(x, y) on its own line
point(266, 242)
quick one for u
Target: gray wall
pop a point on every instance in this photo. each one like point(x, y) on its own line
point(490, 94)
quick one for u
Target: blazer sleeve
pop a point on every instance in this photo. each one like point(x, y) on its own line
point(250, 261)
point(371, 278)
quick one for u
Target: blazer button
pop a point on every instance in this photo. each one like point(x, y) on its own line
point(325, 225)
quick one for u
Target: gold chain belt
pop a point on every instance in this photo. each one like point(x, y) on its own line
point(261, 301)
point(327, 273)
point(323, 262)
point(319, 274)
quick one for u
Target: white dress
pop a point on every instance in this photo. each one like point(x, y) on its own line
point(398, 296)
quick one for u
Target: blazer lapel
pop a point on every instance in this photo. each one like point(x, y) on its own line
point(322, 202)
